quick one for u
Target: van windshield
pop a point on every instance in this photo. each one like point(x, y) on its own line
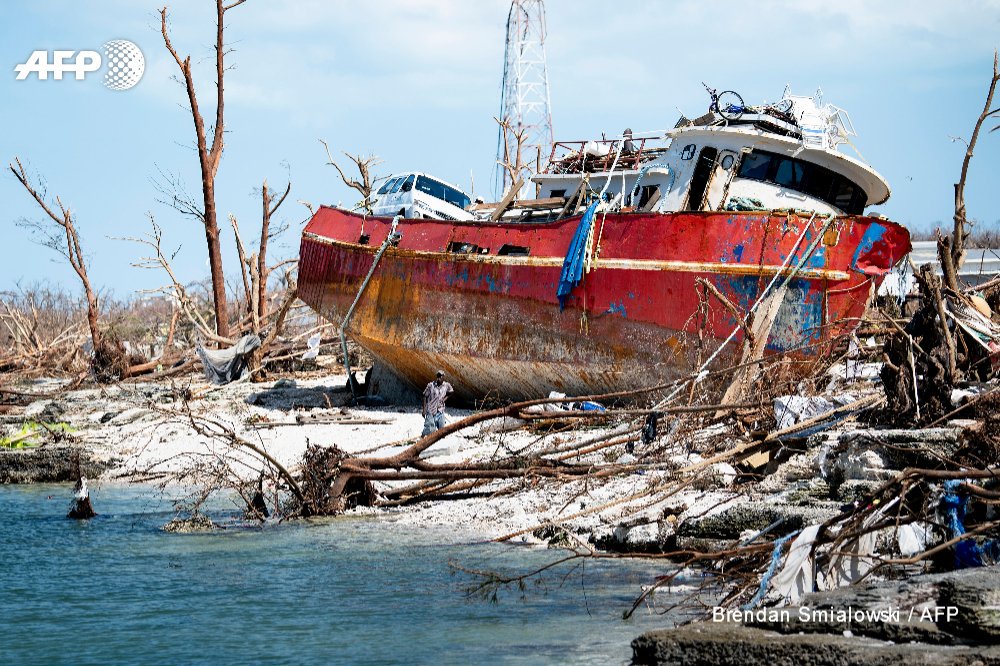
point(389, 183)
point(395, 188)
point(439, 190)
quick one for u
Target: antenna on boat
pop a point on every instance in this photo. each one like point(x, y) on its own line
point(524, 101)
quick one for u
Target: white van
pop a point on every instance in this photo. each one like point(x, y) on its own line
point(416, 195)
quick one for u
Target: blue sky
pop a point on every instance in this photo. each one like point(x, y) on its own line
point(417, 83)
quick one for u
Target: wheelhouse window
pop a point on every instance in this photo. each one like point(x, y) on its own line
point(755, 166)
point(790, 173)
point(806, 177)
point(439, 190)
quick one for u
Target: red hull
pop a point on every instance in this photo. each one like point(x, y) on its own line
point(495, 324)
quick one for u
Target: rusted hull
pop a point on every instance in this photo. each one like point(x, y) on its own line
point(494, 322)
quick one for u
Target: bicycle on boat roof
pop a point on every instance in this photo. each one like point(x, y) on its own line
point(729, 104)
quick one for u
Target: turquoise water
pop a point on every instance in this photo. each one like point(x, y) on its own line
point(119, 590)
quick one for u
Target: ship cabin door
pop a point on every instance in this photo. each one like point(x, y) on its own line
point(718, 186)
point(704, 169)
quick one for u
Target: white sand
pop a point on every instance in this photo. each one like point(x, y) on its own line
point(146, 429)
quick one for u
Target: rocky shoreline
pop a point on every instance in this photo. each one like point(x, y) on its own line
point(145, 432)
point(948, 618)
point(49, 464)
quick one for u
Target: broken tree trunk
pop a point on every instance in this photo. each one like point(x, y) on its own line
point(81, 508)
point(952, 251)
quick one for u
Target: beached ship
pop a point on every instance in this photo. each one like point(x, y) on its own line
point(602, 281)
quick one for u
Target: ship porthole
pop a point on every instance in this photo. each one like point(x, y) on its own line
point(727, 162)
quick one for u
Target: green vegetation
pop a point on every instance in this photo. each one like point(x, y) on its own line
point(31, 433)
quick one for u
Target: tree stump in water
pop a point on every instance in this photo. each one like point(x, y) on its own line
point(81, 508)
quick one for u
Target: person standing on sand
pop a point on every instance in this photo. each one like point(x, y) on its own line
point(435, 395)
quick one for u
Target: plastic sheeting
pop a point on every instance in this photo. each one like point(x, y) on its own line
point(227, 365)
point(968, 553)
point(913, 538)
point(798, 577)
point(572, 271)
point(312, 348)
point(792, 409)
point(855, 557)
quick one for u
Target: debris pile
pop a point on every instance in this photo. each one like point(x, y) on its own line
point(944, 354)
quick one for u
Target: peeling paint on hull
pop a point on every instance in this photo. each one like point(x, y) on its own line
point(494, 323)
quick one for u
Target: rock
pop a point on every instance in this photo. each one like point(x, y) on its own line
point(949, 618)
point(638, 534)
point(133, 415)
point(799, 467)
point(194, 523)
point(633, 537)
point(737, 518)
point(855, 464)
point(855, 490)
point(46, 411)
point(807, 492)
point(897, 449)
point(726, 643)
point(724, 474)
point(973, 593)
point(46, 464)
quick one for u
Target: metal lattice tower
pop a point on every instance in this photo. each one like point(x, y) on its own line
point(524, 101)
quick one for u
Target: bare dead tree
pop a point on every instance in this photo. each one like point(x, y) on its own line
point(513, 164)
point(951, 251)
point(66, 243)
point(255, 272)
point(185, 302)
point(364, 165)
point(110, 362)
point(268, 208)
point(209, 152)
point(256, 318)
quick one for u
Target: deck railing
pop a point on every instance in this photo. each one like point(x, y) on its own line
point(599, 155)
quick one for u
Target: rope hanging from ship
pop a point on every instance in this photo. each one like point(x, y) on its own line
point(594, 250)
